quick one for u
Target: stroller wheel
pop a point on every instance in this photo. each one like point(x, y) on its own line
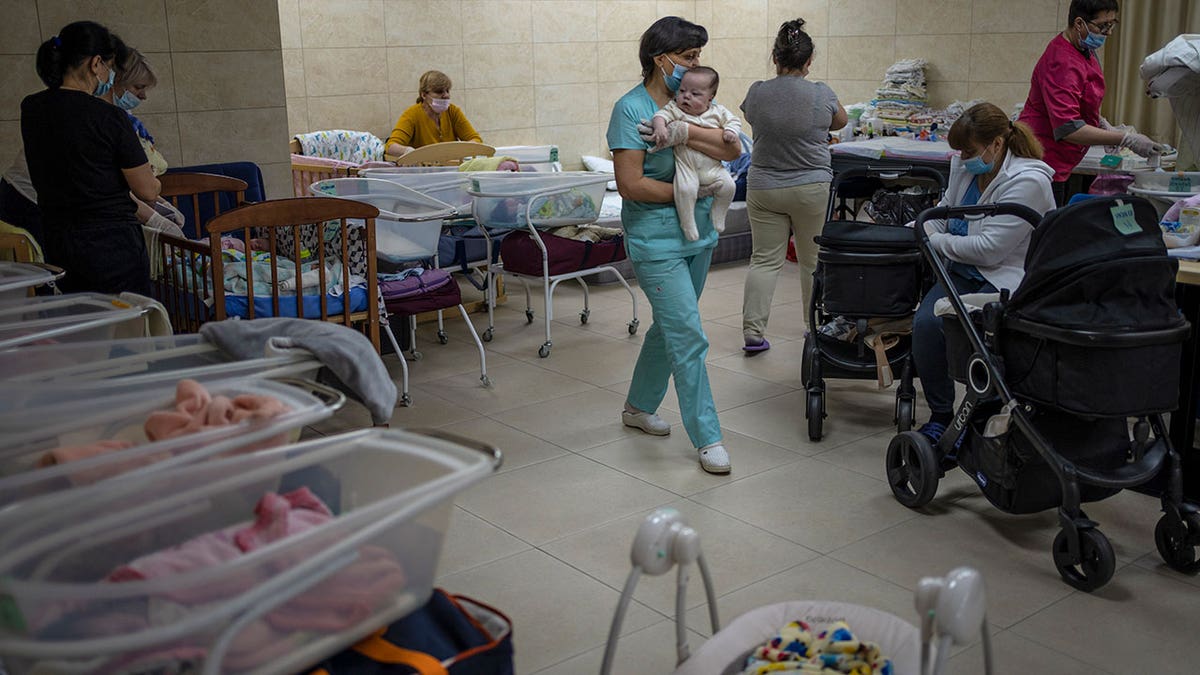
point(487, 335)
point(912, 469)
point(1096, 560)
point(442, 338)
point(815, 413)
point(529, 316)
point(1173, 546)
point(905, 414)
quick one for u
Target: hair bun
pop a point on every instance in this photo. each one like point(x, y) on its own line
point(56, 42)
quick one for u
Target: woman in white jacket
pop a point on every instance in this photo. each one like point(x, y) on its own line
point(1000, 162)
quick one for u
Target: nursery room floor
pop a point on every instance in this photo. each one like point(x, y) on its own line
point(546, 540)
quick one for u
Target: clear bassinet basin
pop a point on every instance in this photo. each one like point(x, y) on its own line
point(16, 278)
point(136, 362)
point(75, 317)
point(446, 187)
point(86, 586)
point(31, 435)
point(409, 223)
point(517, 200)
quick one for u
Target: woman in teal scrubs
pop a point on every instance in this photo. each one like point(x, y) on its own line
point(670, 269)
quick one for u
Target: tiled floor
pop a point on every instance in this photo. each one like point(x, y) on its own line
point(547, 538)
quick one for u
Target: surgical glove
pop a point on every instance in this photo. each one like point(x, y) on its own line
point(645, 130)
point(1104, 124)
point(677, 133)
point(1141, 144)
point(159, 222)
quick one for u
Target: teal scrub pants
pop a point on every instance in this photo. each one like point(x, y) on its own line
point(676, 345)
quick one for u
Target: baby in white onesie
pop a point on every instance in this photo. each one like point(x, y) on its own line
point(693, 169)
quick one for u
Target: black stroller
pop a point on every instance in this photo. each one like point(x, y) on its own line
point(1089, 343)
point(866, 271)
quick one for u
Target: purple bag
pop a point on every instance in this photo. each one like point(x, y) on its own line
point(521, 254)
point(426, 292)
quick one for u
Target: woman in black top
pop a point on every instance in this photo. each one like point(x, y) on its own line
point(84, 161)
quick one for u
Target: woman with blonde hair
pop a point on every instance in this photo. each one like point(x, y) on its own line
point(432, 119)
point(999, 161)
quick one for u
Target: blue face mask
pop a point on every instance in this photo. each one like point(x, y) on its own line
point(675, 78)
point(1092, 41)
point(127, 101)
point(977, 166)
point(103, 87)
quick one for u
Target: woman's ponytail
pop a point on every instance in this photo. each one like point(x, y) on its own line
point(75, 43)
point(1022, 143)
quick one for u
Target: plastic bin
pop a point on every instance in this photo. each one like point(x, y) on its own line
point(517, 200)
point(139, 362)
point(23, 478)
point(75, 317)
point(448, 188)
point(278, 608)
point(44, 420)
point(17, 278)
point(409, 222)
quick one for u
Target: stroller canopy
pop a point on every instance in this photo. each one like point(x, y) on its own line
point(1096, 265)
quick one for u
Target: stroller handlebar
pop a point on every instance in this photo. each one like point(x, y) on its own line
point(1000, 209)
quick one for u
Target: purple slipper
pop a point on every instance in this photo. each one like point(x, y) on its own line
point(759, 347)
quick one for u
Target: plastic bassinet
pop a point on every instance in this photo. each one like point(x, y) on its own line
point(75, 317)
point(276, 607)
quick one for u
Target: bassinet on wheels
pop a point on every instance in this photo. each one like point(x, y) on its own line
point(869, 271)
point(1089, 342)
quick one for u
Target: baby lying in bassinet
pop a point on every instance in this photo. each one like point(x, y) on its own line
point(572, 205)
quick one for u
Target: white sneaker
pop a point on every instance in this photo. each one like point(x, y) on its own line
point(647, 422)
point(714, 458)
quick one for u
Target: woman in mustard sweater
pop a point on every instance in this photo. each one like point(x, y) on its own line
point(431, 120)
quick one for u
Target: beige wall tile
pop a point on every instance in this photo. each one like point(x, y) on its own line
point(618, 62)
point(492, 66)
point(486, 116)
point(164, 127)
point(942, 94)
point(343, 23)
point(814, 12)
point(289, 24)
point(18, 79)
point(860, 58)
point(226, 80)
point(423, 22)
point(739, 19)
point(681, 8)
point(739, 57)
point(522, 136)
point(573, 141)
point(820, 64)
point(862, 17)
point(255, 135)
point(297, 110)
point(20, 32)
point(293, 73)
point(277, 180)
point(338, 72)
point(405, 65)
point(853, 91)
point(1006, 57)
point(620, 20)
point(1064, 12)
point(564, 63)
point(141, 23)
point(607, 94)
point(564, 20)
point(704, 13)
point(398, 102)
point(945, 54)
point(925, 17)
point(733, 92)
point(1004, 94)
point(222, 25)
point(497, 22)
point(565, 103)
point(160, 99)
point(360, 112)
point(1014, 16)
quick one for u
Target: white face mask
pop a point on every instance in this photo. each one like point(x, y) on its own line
point(439, 105)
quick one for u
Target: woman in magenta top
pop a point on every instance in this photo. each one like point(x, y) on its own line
point(1065, 92)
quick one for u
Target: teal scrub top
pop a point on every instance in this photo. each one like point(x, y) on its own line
point(652, 230)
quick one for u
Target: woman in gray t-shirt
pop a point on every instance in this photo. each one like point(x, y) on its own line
point(787, 188)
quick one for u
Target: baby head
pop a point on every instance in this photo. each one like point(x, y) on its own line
point(697, 89)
